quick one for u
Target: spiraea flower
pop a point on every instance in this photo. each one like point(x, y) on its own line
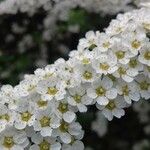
point(44, 143)
point(46, 122)
point(144, 56)
point(68, 132)
point(113, 108)
point(129, 91)
point(11, 139)
point(63, 110)
point(109, 69)
point(25, 115)
point(79, 98)
point(102, 90)
point(52, 88)
point(7, 117)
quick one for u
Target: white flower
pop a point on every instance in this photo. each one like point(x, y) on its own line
point(46, 143)
point(84, 57)
point(86, 73)
point(105, 63)
point(39, 103)
point(102, 90)
point(134, 40)
point(45, 73)
point(104, 42)
point(52, 88)
point(134, 67)
point(121, 51)
point(27, 86)
point(5, 93)
point(126, 73)
point(113, 108)
point(67, 73)
point(67, 131)
point(12, 139)
point(64, 111)
point(144, 86)
point(7, 117)
point(77, 97)
point(8, 97)
point(89, 41)
point(25, 115)
point(46, 122)
point(128, 90)
point(144, 56)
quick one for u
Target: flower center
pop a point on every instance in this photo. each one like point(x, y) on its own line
point(42, 103)
point(125, 90)
point(147, 55)
point(148, 68)
point(64, 127)
point(26, 116)
point(63, 107)
point(121, 71)
point(77, 98)
point(8, 142)
point(146, 26)
point(45, 121)
point(133, 63)
point(111, 105)
point(5, 117)
point(87, 75)
point(106, 45)
point(144, 85)
point(52, 91)
point(100, 91)
point(104, 66)
point(44, 145)
point(136, 44)
point(31, 87)
point(120, 54)
point(85, 61)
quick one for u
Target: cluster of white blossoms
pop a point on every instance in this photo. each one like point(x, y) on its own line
point(109, 70)
point(58, 10)
point(31, 6)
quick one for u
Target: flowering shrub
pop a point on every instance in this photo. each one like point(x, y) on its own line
point(109, 70)
point(31, 25)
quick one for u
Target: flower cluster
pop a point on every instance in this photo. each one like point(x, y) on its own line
point(109, 70)
point(31, 6)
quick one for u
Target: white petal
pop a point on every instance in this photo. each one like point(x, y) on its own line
point(112, 93)
point(82, 108)
point(135, 96)
point(34, 147)
point(71, 101)
point(91, 93)
point(75, 129)
point(107, 83)
point(56, 146)
point(46, 131)
point(102, 100)
point(86, 100)
point(69, 116)
point(108, 114)
point(127, 78)
point(65, 137)
point(118, 113)
point(20, 125)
